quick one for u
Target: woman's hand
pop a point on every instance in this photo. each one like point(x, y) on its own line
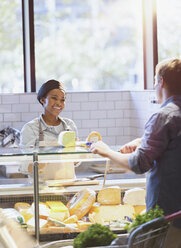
point(131, 146)
point(100, 148)
point(104, 150)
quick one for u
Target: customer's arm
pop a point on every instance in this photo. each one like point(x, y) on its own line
point(104, 150)
point(130, 146)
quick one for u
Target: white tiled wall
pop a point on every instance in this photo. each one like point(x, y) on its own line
point(118, 115)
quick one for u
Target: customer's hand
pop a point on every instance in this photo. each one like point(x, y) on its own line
point(100, 148)
point(131, 146)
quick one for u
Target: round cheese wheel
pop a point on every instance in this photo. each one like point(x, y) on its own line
point(81, 203)
point(93, 137)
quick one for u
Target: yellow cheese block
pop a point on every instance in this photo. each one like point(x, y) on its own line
point(108, 213)
point(66, 138)
point(56, 206)
point(93, 137)
point(109, 196)
point(58, 210)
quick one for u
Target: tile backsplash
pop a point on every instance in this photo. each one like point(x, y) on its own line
point(119, 116)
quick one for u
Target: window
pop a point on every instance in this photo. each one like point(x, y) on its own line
point(169, 28)
point(90, 44)
point(11, 47)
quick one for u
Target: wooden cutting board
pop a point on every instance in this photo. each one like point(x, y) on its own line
point(70, 182)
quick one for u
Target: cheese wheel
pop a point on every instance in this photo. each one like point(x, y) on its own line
point(81, 203)
point(109, 196)
point(135, 196)
point(93, 137)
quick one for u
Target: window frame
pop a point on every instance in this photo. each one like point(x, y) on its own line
point(28, 45)
point(150, 46)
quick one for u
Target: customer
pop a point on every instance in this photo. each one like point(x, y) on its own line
point(158, 152)
point(46, 127)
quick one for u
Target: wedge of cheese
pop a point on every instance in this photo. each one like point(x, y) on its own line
point(66, 139)
point(109, 196)
point(27, 214)
point(31, 223)
point(108, 213)
point(44, 210)
point(83, 226)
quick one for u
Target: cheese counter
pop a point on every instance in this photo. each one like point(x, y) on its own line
point(52, 181)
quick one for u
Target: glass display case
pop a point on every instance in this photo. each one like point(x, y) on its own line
point(56, 189)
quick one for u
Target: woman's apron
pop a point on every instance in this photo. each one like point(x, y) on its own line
point(51, 171)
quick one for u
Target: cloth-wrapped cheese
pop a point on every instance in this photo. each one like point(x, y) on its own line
point(81, 202)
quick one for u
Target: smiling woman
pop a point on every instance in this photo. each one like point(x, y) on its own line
point(47, 127)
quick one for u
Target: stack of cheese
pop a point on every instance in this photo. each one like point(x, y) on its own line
point(109, 208)
point(83, 210)
point(56, 217)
